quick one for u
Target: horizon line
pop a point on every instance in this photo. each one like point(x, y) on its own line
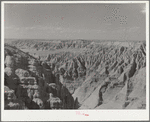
point(71, 39)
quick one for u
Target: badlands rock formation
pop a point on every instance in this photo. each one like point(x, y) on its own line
point(34, 87)
point(99, 75)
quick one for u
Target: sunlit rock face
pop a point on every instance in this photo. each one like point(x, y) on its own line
point(83, 75)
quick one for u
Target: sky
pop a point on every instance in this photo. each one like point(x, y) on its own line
point(75, 21)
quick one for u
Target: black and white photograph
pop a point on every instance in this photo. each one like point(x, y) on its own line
point(75, 56)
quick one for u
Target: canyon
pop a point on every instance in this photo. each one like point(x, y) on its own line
point(74, 74)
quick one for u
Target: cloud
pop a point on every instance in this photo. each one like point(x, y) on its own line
point(29, 28)
point(133, 29)
point(143, 11)
point(73, 30)
point(126, 30)
point(8, 27)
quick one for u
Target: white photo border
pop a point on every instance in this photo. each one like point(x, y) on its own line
point(71, 115)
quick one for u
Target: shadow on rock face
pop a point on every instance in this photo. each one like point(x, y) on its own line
point(31, 104)
point(76, 104)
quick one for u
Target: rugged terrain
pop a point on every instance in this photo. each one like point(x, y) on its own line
point(75, 74)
